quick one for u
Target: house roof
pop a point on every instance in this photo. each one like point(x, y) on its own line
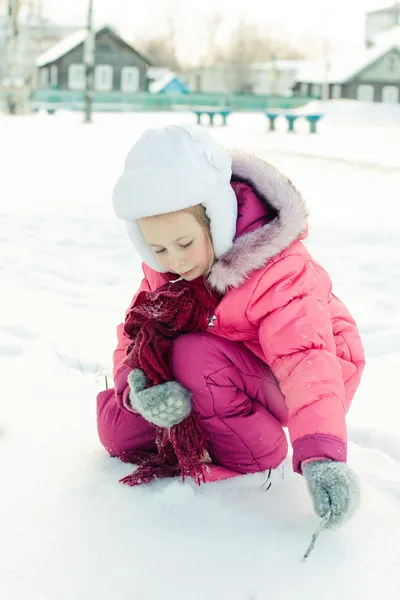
point(75, 39)
point(388, 38)
point(160, 83)
point(342, 72)
point(391, 10)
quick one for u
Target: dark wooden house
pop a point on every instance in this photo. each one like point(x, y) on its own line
point(119, 67)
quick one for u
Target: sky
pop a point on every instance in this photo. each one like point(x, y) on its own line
point(303, 22)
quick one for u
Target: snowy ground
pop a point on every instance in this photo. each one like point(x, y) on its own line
point(68, 529)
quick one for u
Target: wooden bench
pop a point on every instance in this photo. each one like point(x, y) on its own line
point(211, 112)
point(291, 119)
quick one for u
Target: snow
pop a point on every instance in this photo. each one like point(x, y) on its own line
point(62, 47)
point(159, 84)
point(68, 529)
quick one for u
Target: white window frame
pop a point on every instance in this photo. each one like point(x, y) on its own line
point(130, 79)
point(44, 77)
point(76, 77)
point(103, 78)
point(336, 91)
point(365, 92)
point(395, 88)
point(53, 76)
point(198, 82)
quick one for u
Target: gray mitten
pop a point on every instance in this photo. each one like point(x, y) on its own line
point(165, 405)
point(333, 485)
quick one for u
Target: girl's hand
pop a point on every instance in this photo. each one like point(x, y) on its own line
point(164, 405)
point(333, 485)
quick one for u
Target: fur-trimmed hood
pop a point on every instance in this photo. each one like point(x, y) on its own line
point(253, 250)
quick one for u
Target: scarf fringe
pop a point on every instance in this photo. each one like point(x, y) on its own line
point(180, 450)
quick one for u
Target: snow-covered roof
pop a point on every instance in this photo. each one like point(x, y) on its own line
point(340, 72)
point(391, 10)
point(159, 84)
point(388, 38)
point(72, 41)
point(62, 47)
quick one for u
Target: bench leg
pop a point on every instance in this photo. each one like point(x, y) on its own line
point(313, 127)
point(291, 125)
point(198, 119)
point(211, 119)
point(224, 120)
point(272, 123)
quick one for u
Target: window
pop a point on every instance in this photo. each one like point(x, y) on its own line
point(103, 47)
point(197, 85)
point(53, 76)
point(336, 91)
point(103, 78)
point(44, 78)
point(365, 93)
point(390, 94)
point(316, 90)
point(76, 77)
point(130, 77)
point(304, 89)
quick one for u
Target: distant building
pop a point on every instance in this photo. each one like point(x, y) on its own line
point(273, 77)
point(164, 81)
point(381, 21)
point(118, 65)
point(373, 78)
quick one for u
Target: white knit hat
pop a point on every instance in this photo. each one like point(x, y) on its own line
point(170, 169)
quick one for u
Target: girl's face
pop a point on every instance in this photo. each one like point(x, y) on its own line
point(180, 244)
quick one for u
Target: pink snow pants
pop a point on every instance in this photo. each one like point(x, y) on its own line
point(236, 397)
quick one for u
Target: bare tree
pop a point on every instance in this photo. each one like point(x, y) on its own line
point(212, 27)
point(89, 60)
point(160, 50)
point(21, 38)
point(249, 45)
point(13, 9)
point(163, 47)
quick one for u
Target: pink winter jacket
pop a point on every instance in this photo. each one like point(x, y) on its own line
point(278, 301)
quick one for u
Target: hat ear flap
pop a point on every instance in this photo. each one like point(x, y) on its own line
point(138, 241)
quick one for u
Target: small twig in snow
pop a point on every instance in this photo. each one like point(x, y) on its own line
point(320, 529)
point(270, 482)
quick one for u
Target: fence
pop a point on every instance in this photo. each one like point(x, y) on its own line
point(145, 101)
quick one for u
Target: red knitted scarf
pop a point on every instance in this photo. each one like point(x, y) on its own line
point(155, 320)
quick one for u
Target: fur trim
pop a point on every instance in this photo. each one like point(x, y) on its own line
point(253, 250)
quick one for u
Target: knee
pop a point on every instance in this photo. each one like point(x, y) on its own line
point(119, 430)
point(193, 357)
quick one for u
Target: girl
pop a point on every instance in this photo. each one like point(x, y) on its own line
point(280, 350)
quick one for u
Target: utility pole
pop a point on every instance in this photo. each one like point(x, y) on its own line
point(325, 55)
point(88, 59)
point(33, 37)
point(12, 58)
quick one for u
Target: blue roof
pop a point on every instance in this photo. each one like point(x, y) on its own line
point(171, 84)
